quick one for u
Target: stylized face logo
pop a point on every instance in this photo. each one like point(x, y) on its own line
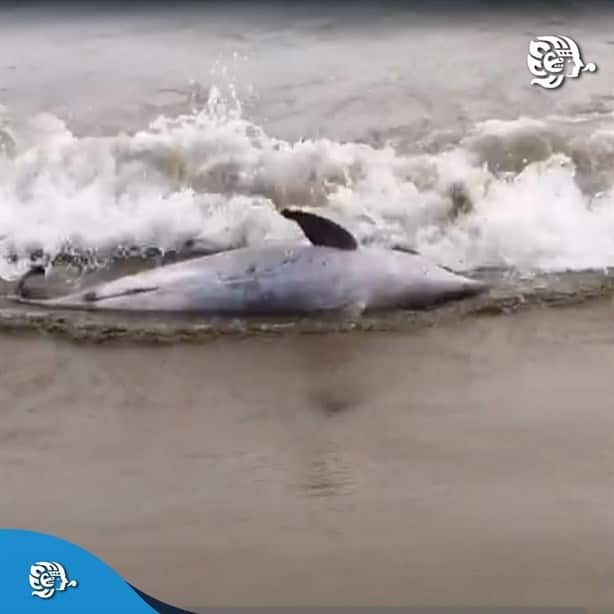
point(548, 57)
point(47, 577)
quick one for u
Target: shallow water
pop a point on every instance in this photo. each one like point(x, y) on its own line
point(464, 464)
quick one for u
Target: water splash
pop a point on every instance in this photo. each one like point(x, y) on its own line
point(527, 194)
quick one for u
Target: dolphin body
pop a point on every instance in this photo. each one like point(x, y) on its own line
point(333, 274)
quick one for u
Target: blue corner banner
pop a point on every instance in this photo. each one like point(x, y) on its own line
point(46, 574)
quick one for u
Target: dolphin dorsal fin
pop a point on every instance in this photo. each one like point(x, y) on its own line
point(321, 230)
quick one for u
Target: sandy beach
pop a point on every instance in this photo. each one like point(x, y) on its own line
point(465, 464)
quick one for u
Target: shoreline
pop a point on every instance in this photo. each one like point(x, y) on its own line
point(505, 297)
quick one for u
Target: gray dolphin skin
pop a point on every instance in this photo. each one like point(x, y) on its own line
point(333, 274)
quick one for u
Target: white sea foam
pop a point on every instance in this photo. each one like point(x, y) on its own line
point(534, 195)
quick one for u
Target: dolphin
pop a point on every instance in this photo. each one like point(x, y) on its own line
point(331, 274)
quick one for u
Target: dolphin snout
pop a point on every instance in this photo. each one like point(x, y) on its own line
point(474, 287)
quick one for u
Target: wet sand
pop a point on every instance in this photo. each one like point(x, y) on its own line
point(466, 464)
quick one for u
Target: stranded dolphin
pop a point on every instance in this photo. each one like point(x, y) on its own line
point(333, 274)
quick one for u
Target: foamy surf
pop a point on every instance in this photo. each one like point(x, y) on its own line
point(529, 195)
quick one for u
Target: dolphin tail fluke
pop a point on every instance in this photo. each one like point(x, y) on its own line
point(25, 296)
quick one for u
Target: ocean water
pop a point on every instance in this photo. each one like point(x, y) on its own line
point(132, 130)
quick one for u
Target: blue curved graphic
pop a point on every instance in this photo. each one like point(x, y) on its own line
point(45, 574)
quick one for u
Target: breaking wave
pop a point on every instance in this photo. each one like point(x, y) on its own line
point(530, 195)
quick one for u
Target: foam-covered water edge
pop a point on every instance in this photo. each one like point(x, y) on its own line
point(529, 195)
